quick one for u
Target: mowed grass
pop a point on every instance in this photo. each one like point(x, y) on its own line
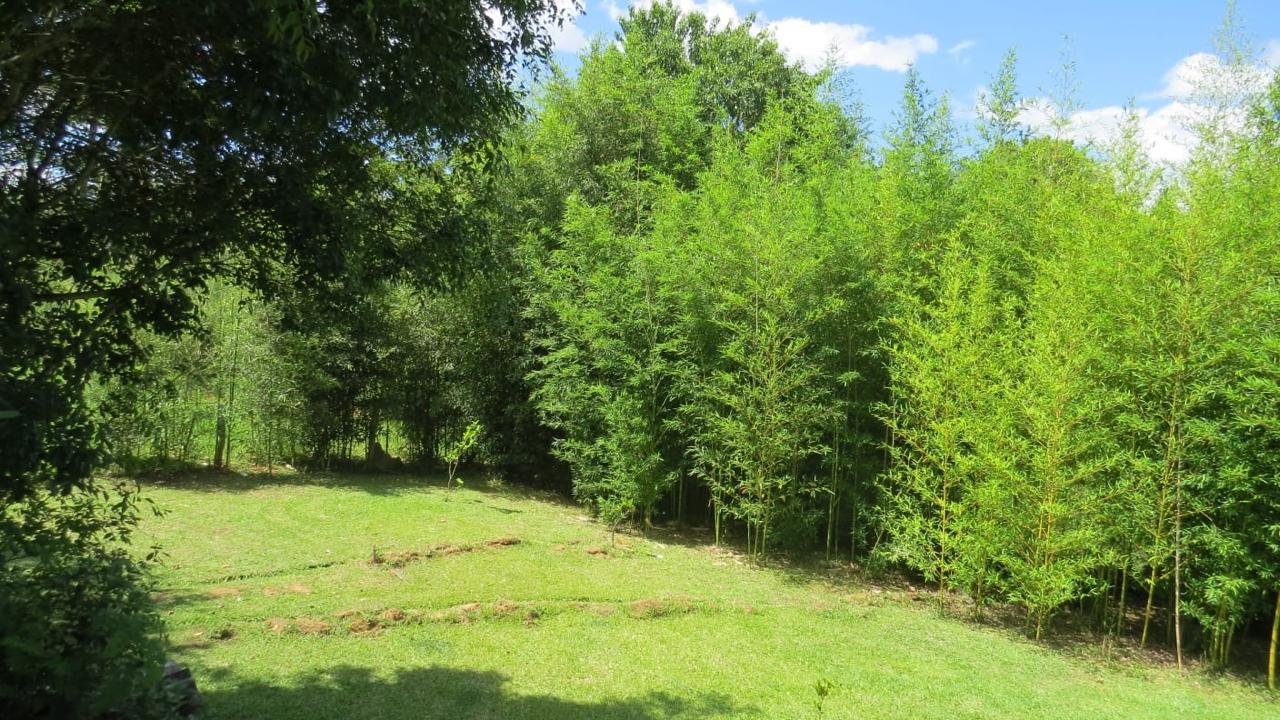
point(503, 604)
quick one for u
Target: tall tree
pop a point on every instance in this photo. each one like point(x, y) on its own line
point(144, 148)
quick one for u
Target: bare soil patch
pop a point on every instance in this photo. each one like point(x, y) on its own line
point(312, 626)
point(404, 557)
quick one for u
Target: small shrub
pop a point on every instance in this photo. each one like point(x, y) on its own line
point(79, 634)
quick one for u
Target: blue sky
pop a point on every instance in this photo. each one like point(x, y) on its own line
point(1140, 50)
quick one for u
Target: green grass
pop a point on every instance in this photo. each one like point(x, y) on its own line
point(257, 571)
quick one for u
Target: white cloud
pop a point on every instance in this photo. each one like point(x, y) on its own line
point(960, 51)
point(1181, 80)
point(721, 10)
point(1164, 133)
point(1271, 54)
point(568, 37)
point(616, 12)
point(1201, 73)
point(971, 110)
point(810, 43)
point(1190, 88)
point(565, 37)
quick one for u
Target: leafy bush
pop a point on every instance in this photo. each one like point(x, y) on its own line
point(79, 637)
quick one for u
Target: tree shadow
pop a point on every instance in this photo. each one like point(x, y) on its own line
point(356, 693)
point(375, 483)
point(241, 481)
point(797, 567)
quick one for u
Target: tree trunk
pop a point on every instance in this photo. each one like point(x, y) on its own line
point(1124, 584)
point(832, 505)
point(1275, 640)
point(680, 502)
point(231, 390)
point(715, 514)
point(188, 439)
point(1151, 597)
point(854, 500)
point(1177, 569)
point(220, 439)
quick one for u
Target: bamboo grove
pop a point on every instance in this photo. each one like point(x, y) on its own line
point(1033, 372)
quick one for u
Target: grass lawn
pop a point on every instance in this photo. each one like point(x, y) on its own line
point(501, 604)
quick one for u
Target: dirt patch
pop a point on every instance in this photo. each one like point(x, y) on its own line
point(597, 551)
point(222, 592)
point(531, 616)
point(504, 607)
point(400, 559)
point(595, 608)
point(225, 632)
point(404, 557)
point(343, 614)
point(294, 588)
point(277, 625)
point(653, 608)
point(364, 625)
point(194, 641)
point(647, 608)
point(463, 614)
point(312, 626)
point(391, 615)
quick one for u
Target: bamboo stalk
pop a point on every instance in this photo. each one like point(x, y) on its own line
point(1275, 640)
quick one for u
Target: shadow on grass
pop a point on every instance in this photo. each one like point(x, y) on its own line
point(229, 481)
point(797, 567)
point(434, 692)
point(385, 483)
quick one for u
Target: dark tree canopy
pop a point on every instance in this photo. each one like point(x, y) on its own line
point(146, 146)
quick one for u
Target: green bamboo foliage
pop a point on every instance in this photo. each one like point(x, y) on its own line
point(759, 385)
point(1030, 373)
point(604, 382)
point(1056, 460)
point(940, 380)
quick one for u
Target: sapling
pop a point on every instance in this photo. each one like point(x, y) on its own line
point(456, 451)
point(823, 688)
point(614, 511)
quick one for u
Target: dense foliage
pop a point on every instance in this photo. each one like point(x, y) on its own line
point(146, 147)
point(1032, 373)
